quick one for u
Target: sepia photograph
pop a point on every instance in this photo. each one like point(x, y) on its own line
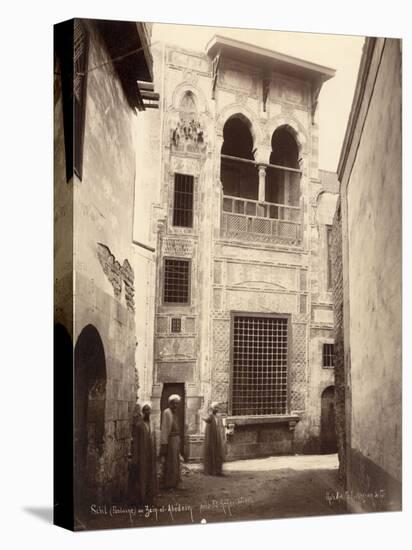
point(227, 274)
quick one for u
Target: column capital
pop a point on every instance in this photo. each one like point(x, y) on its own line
point(263, 153)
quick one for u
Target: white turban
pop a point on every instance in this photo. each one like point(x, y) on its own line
point(146, 404)
point(214, 404)
point(174, 397)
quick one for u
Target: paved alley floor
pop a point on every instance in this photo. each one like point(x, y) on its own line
point(274, 487)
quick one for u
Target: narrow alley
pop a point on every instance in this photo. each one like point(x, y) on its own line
point(281, 487)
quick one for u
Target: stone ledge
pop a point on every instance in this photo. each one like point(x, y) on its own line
point(290, 419)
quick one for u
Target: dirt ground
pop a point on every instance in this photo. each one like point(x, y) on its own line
point(274, 487)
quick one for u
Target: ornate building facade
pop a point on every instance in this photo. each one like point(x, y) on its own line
point(243, 299)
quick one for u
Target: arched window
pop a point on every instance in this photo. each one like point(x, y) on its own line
point(239, 178)
point(283, 186)
point(260, 201)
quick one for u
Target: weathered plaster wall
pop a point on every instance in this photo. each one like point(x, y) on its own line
point(146, 215)
point(372, 193)
point(340, 383)
point(63, 218)
point(104, 277)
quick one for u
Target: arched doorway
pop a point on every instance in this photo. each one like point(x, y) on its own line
point(328, 442)
point(90, 401)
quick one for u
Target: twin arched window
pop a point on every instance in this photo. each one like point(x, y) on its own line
point(239, 170)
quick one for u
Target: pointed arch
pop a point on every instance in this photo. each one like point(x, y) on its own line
point(285, 148)
point(283, 185)
point(197, 95)
point(90, 377)
point(244, 113)
point(239, 178)
point(187, 107)
point(293, 126)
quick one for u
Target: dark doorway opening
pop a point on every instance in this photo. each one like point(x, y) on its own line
point(90, 402)
point(179, 389)
point(328, 442)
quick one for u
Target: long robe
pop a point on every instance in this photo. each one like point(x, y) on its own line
point(143, 476)
point(170, 442)
point(214, 446)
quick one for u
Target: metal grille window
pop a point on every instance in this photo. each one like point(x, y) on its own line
point(183, 201)
point(328, 355)
point(176, 281)
point(260, 362)
point(176, 325)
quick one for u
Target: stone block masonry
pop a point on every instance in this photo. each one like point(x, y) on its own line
point(339, 370)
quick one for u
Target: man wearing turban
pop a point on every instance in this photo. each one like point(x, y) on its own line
point(214, 446)
point(143, 474)
point(170, 444)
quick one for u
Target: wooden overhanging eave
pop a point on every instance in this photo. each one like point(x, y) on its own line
point(268, 59)
point(221, 47)
point(128, 46)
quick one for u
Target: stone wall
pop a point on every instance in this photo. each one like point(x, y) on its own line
point(339, 341)
point(321, 208)
point(146, 217)
point(260, 440)
point(103, 258)
point(63, 216)
point(63, 314)
point(372, 244)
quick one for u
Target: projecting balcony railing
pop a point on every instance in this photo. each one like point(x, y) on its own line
point(251, 220)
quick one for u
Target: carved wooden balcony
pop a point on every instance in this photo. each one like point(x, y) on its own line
point(250, 220)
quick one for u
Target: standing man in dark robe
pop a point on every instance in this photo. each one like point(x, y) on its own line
point(214, 447)
point(143, 475)
point(170, 444)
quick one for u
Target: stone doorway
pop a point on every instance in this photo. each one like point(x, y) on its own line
point(168, 390)
point(328, 442)
point(90, 402)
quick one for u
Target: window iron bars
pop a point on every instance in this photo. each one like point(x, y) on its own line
point(176, 281)
point(183, 201)
point(328, 355)
point(176, 324)
point(259, 365)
